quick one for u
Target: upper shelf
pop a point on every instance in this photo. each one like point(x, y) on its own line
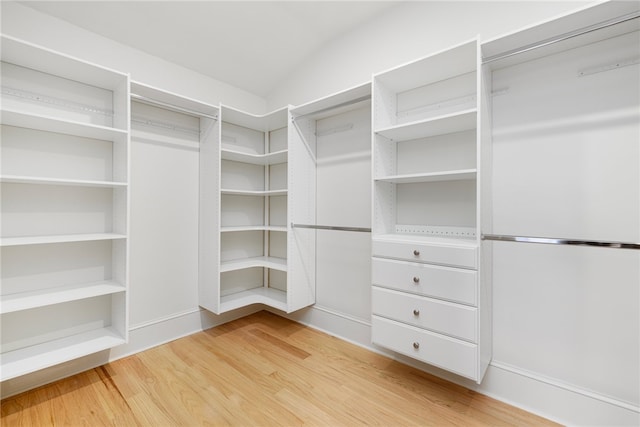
point(336, 103)
point(256, 159)
point(145, 93)
point(576, 28)
point(67, 127)
point(433, 68)
point(266, 122)
point(440, 125)
point(38, 58)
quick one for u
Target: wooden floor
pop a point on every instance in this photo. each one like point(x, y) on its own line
point(260, 370)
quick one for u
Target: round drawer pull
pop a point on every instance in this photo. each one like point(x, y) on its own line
point(416, 312)
point(416, 345)
point(416, 252)
point(416, 279)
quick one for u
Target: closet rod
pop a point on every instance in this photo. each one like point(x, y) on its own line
point(562, 37)
point(331, 227)
point(171, 107)
point(556, 241)
point(333, 107)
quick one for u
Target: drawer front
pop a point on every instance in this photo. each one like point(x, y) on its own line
point(453, 284)
point(457, 256)
point(456, 320)
point(448, 353)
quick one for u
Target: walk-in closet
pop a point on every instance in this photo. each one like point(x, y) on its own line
point(320, 213)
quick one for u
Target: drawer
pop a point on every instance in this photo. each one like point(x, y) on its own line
point(448, 353)
point(456, 320)
point(448, 283)
point(457, 255)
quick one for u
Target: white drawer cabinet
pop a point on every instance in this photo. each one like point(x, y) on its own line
point(445, 352)
point(453, 284)
point(458, 255)
point(443, 317)
point(430, 271)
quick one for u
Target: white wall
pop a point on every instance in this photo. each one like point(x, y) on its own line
point(401, 34)
point(28, 24)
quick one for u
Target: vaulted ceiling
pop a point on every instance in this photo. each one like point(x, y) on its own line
point(252, 45)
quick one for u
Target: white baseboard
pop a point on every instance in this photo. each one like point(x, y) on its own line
point(141, 337)
point(536, 394)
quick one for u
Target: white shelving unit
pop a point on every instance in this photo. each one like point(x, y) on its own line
point(65, 198)
point(426, 211)
point(245, 254)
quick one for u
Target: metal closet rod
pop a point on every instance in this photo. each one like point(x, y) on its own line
point(557, 241)
point(331, 227)
point(563, 37)
point(333, 107)
point(171, 107)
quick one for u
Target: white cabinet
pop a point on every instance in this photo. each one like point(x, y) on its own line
point(426, 211)
point(246, 202)
point(65, 175)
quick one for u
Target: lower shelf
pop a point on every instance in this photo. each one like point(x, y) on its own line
point(40, 298)
point(267, 296)
point(30, 359)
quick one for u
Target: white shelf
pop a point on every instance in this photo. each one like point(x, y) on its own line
point(440, 125)
point(460, 59)
point(35, 57)
point(43, 297)
point(253, 193)
point(424, 239)
point(17, 179)
point(62, 238)
point(52, 124)
point(266, 262)
point(254, 228)
point(255, 159)
point(455, 175)
point(30, 359)
point(268, 296)
point(266, 122)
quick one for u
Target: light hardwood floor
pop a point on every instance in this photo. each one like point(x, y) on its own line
point(260, 370)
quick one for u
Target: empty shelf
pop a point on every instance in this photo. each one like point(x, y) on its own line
point(266, 262)
point(63, 238)
point(33, 358)
point(16, 179)
point(52, 124)
point(440, 125)
point(43, 297)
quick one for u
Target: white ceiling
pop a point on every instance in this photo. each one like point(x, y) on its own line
point(252, 45)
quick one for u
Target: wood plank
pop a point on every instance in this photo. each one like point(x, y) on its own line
point(259, 370)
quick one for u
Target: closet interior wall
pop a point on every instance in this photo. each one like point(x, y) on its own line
point(566, 168)
point(339, 127)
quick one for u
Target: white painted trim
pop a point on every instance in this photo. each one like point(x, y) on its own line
point(163, 319)
point(569, 387)
point(344, 316)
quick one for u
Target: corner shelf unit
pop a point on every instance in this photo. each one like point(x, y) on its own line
point(244, 185)
point(426, 212)
point(65, 198)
